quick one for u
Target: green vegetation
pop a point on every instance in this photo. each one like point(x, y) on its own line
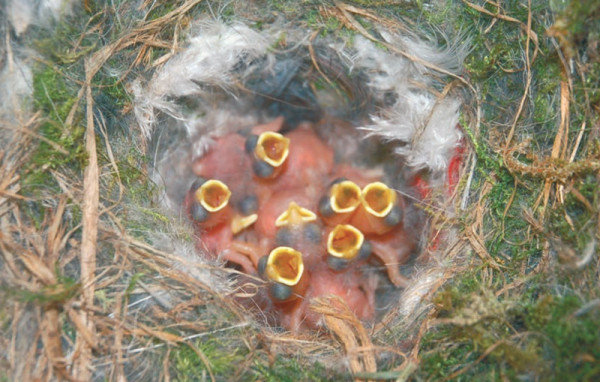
point(55, 98)
point(227, 363)
point(537, 333)
point(535, 316)
point(188, 364)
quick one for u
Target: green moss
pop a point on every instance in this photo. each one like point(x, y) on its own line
point(574, 339)
point(161, 9)
point(230, 361)
point(54, 97)
point(572, 222)
point(537, 334)
point(290, 370)
point(61, 146)
point(59, 292)
point(327, 25)
point(224, 362)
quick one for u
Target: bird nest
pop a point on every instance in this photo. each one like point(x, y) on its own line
point(258, 198)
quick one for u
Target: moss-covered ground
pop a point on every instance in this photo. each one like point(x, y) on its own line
point(525, 307)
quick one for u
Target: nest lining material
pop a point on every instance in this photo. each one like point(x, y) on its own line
point(28, 318)
point(232, 77)
point(200, 95)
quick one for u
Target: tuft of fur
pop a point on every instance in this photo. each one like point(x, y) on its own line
point(16, 79)
point(23, 13)
point(205, 66)
point(16, 76)
point(425, 126)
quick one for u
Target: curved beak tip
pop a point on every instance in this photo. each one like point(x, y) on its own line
point(295, 215)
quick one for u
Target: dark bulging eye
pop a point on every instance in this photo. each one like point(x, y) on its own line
point(394, 217)
point(262, 169)
point(325, 207)
point(197, 183)
point(312, 233)
point(262, 265)
point(281, 292)
point(365, 250)
point(198, 212)
point(250, 143)
point(337, 263)
point(248, 205)
point(337, 180)
point(284, 237)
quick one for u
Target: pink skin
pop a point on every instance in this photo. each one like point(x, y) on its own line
point(393, 249)
point(216, 239)
point(228, 162)
point(274, 205)
point(240, 259)
point(226, 159)
point(360, 176)
point(218, 242)
point(275, 125)
point(253, 251)
point(303, 179)
point(367, 223)
point(308, 164)
point(312, 253)
point(373, 225)
point(357, 291)
point(310, 159)
point(354, 288)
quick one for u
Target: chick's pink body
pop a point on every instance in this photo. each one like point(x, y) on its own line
point(299, 185)
point(356, 290)
point(309, 163)
point(275, 204)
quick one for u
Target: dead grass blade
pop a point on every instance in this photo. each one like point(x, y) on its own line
point(91, 199)
point(528, 62)
point(350, 331)
point(51, 332)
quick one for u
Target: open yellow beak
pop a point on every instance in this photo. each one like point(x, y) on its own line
point(378, 199)
point(285, 266)
point(345, 241)
point(213, 195)
point(272, 148)
point(344, 196)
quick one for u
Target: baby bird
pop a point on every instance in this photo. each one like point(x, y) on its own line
point(308, 163)
point(278, 206)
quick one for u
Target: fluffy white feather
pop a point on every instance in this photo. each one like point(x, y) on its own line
point(426, 126)
point(207, 63)
point(23, 13)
